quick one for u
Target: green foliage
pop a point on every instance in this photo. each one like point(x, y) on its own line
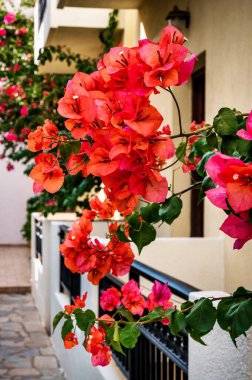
point(140, 232)
point(57, 319)
point(181, 151)
point(225, 122)
point(129, 335)
point(84, 319)
point(171, 209)
point(235, 314)
point(66, 328)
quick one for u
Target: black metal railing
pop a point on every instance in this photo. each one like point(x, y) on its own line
point(70, 283)
point(38, 239)
point(41, 10)
point(158, 355)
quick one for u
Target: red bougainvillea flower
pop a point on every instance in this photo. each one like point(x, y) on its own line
point(246, 134)
point(167, 60)
point(9, 18)
point(70, 341)
point(160, 296)
point(94, 344)
point(3, 32)
point(78, 303)
point(239, 228)
point(235, 177)
point(132, 298)
point(110, 299)
point(47, 173)
point(43, 138)
point(104, 209)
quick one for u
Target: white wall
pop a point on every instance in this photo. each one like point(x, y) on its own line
point(15, 189)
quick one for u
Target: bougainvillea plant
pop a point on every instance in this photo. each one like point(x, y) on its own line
point(118, 135)
point(28, 97)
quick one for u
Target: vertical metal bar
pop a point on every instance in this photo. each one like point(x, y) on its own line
point(165, 375)
point(170, 369)
point(158, 364)
point(178, 373)
point(153, 362)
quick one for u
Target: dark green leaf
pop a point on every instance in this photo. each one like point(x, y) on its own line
point(229, 144)
point(171, 209)
point(181, 151)
point(225, 122)
point(75, 146)
point(67, 328)
point(65, 151)
point(150, 213)
point(133, 220)
point(126, 314)
point(235, 315)
point(200, 147)
point(201, 166)
point(186, 305)
point(244, 147)
point(129, 335)
point(121, 234)
point(85, 320)
point(212, 140)
point(142, 236)
point(201, 317)
point(177, 323)
point(57, 319)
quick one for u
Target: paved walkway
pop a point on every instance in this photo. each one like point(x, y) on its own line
point(26, 352)
point(15, 270)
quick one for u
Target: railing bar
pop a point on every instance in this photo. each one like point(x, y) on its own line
point(158, 365)
point(164, 367)
point(164, 349)
point(178, 287)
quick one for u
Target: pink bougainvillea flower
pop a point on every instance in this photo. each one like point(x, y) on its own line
point(217, 197)
point(246, 134)
point(11, 136)
point(160, 296)
point(150, 184)
point(239, 228)
point(24, 111)
point(43, 138)
point(132, 298)
point(3, 32)
point(94, 344)
point(110, 299)
point(9, 18)
point(22, 31)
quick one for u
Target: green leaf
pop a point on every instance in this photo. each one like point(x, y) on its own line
point(65, 151)
point(155, 313)
point(84, 319)
point(126, 314)
point(181, 151)
point(244, 147)
point(171, 209)
point(235, 315)
point(133, 220)
point(212, 140)
point(129, 335)
point(75, 146)
point(67, 328)
point(142, 236)
point(200, 147)
point(229, 144)
point(150, 213)
point(201, 166)
point(186, 305)
point(202, 317)
point(177, 323)
point(225, 122)
point(112, 333)
point(57, 319)
point(121, 234)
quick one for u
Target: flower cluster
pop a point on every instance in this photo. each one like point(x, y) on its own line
point(84, 255)
point(110, 112)
point(129, 299)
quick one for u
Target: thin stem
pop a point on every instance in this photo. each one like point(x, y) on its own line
point(187, 189)
point(178, 109)
point(201, 130)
